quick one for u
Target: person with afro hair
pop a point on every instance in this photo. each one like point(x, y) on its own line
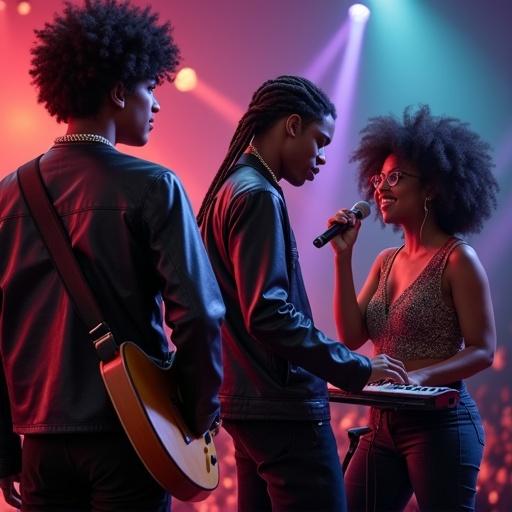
point(426, 303)
point(134, 234)
point(274, 398)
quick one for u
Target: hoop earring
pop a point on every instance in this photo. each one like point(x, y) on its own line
point(426, 209)
point(425, 204)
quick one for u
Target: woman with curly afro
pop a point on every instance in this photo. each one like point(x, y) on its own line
point(426, 303)
point(134, 235)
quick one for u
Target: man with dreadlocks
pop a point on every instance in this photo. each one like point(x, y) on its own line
point(135, 236)
point(274, 398)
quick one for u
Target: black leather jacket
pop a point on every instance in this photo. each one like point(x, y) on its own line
point(275, 361)
point(136, 239)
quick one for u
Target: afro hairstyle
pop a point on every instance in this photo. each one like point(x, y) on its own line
point(87, 49)
point(446, 153)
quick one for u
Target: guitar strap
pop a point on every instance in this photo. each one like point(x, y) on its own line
point(58, 244)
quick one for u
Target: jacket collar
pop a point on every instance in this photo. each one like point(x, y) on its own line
point(251, 161)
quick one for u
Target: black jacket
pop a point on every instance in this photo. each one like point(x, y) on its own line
point(275, 361)
point(136, 239)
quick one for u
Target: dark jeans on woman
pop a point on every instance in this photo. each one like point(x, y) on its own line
point(287, 466)
point(93, 472)
point(435, 454)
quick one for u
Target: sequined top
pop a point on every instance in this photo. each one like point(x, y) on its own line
point(419, 324)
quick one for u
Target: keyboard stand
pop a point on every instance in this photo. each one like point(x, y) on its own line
point(354, 435)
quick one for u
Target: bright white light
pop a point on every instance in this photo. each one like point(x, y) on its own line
point(359, 13)
point(186, 80)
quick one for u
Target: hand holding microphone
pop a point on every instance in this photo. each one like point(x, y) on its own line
point(360, 211)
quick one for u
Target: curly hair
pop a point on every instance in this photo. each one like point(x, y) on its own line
point(447, 155)
point(274, 99)
point(79, 57)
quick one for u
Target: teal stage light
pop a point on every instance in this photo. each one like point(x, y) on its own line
point(359, 13)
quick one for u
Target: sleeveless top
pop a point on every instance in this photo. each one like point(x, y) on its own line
point(419, 324)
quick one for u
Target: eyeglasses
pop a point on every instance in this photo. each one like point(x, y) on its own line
point(391, 179)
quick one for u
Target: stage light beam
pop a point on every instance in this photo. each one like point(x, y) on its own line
point(24, 8)
point(326, 57)
point(359, 13)
point(186, 80)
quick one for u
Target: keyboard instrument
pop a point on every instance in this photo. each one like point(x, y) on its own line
point(399, 396)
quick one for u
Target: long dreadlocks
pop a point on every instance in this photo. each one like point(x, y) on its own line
point(275, 99)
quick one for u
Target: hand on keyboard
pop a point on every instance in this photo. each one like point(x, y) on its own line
point(385, 367)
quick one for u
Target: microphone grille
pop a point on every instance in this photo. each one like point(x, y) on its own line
point(363, 208)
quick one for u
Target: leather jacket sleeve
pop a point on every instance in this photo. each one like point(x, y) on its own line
point(10, 443)
point(193, 304)
point(258, 250)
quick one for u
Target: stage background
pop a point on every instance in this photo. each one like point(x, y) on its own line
point(455, 55)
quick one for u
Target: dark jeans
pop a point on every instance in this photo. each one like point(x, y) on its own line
point(287, 466)
point(435, 454)
point(94, 472)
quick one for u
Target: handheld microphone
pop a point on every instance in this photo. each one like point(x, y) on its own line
point(361, 210)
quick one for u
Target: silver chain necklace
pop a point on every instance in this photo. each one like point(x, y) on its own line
point(82, 137)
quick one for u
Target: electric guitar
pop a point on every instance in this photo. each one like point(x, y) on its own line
point(145, 397)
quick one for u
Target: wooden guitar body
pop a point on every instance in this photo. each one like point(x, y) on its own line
point(145, 398)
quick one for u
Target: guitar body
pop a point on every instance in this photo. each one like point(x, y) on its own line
point(144, 396)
